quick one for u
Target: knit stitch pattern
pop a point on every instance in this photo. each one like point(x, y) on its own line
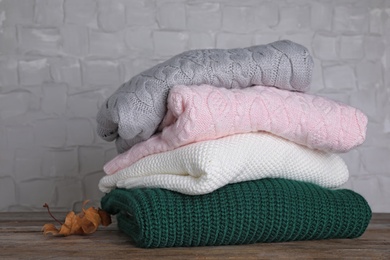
point(203, 167)
point(134, 111)
point(197, 113)
point(268, 210)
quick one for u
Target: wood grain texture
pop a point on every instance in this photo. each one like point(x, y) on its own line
point(21, 238)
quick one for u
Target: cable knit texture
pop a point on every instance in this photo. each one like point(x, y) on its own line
point(203, 167)
point(197, 113)
point(132, 113)
point(268, 210)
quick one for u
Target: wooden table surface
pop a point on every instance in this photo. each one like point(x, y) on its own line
point(21, 238)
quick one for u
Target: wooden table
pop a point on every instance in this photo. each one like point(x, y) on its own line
point(21, 238)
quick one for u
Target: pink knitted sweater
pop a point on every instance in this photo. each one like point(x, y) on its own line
point(198, 113)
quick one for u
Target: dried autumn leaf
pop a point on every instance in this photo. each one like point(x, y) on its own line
point(71, 225)
point(83, 223)
point(105, 217)
point(50, 229)
point(90, 220)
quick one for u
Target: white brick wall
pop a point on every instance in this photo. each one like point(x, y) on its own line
point(59, 60)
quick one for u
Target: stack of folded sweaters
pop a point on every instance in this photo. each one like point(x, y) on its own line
point(225, 147)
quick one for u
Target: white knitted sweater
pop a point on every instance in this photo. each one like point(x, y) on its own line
point(203, 167)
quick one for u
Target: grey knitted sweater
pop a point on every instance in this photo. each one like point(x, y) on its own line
point(134, 111)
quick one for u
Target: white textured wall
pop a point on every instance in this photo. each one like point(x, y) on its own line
point(59, 60)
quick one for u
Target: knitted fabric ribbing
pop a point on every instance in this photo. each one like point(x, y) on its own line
point(267, 210)
point(203, 167)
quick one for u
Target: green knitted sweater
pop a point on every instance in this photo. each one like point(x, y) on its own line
point(267, 210)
